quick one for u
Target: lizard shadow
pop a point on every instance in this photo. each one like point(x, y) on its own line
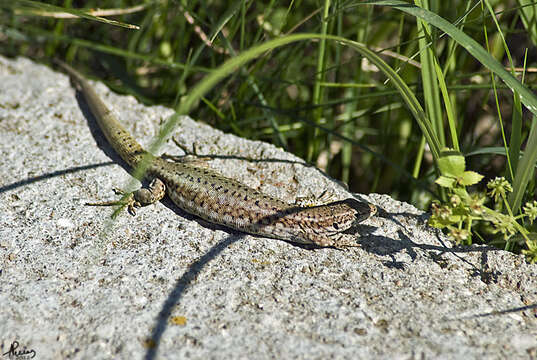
point(97, 134)
point(386, 246)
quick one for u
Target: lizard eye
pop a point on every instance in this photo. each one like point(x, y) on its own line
point(336, 226)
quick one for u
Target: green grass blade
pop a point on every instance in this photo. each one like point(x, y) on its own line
point(429, 80)
point(487, 150)
point(419, 158)
point(510, 169)
point(473, 47)
point(37, 7)
point(224, 19)
point(515, 141)
point(319, 78)
point(525, 170)
point(528, 14)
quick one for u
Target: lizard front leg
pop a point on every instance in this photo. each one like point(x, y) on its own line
point(141, 197)
point(155, 192)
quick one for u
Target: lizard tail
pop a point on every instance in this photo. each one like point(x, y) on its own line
point(120, 139)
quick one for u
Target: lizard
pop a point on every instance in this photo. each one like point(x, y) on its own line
point(217, 199)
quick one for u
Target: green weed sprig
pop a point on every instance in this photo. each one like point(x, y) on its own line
point(464, 213)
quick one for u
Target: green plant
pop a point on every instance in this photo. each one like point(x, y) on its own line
point(464, 214)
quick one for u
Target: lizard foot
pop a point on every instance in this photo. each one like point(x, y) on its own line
point(137, 199)
point(127, 200)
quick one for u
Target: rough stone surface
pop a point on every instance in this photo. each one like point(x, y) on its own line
point(74, 284)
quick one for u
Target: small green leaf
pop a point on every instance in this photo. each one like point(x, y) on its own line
point(445, 181)
point(463, 194)
point(470, 178)
point(460, 212)
point(455, 219)
point(439, 223)
point(452, 165)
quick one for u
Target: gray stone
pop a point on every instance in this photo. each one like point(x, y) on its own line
point(74, 284)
